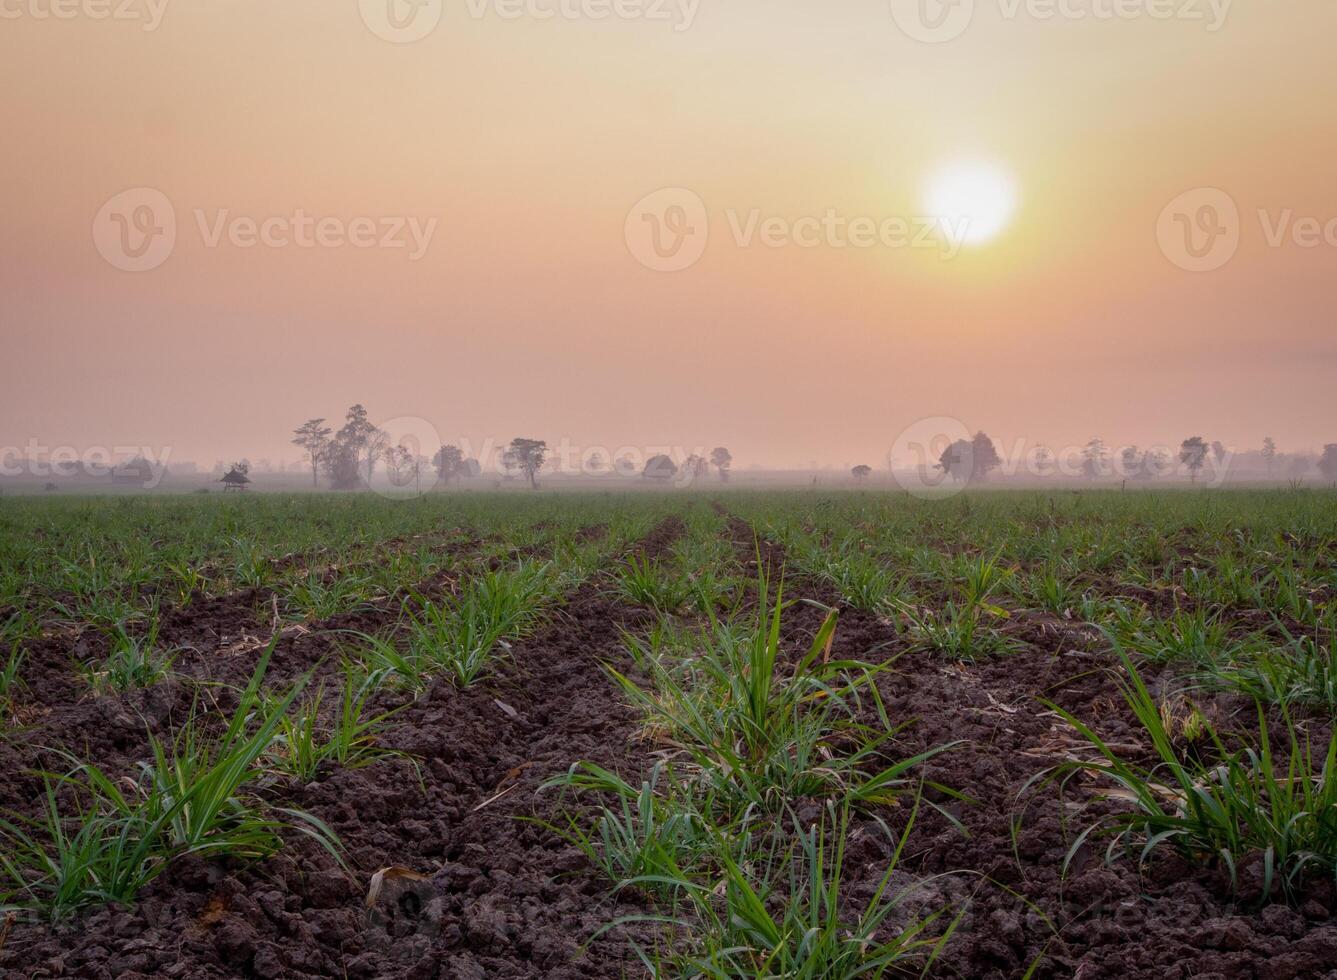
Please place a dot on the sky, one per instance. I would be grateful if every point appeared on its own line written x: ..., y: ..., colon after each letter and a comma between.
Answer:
x: 545, y: 218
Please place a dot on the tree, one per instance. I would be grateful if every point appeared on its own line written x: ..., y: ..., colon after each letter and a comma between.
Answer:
x: 861, y: 472
x: 1093, y: 458
x: 1043, y: 457
x: 957, y: 460
x: 966, y: 461
x: 1269, y: 453
x: 354, y: 441
x: 401, y: 464
x: 313, y: 435
x: 986, y: 458
x: 1327, y: 463
x: 1158, y: 462
x: 1193, y: 453
x: 340, y: 461
x: 697, y: 466
x: 660, y: 467
x: 722, y: 459
x: 1218, y: 450
x: 527, y: 456
x: 594, y: 463
x: 1134, y: 462
x: 378, y: 441
x: 449, y: 462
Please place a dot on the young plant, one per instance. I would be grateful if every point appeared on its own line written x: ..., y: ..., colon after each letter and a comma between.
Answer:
x: 643, y: 582
x: 313, y: 598
x: 799, y: 926
x: 759, y: 734
x: 461, y: 634
x: 303, y: 744
x: 62, y: 861
x: 133, y: 661
x: 192, y: 797
x: 1246, y: 803
x: 380, y: 658
x: 11, y: 675
x: 653, y: 832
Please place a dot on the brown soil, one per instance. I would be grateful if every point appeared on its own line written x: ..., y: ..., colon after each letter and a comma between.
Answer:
x: 1103, y: 920
x: 503, y: 896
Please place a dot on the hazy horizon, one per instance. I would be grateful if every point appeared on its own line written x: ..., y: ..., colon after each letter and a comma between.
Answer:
x: 496, y: 171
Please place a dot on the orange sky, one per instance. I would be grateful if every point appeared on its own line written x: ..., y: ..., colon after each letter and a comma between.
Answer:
x: 528, y: 139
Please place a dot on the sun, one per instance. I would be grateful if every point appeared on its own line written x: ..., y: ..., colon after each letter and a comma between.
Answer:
x: 972, y: 201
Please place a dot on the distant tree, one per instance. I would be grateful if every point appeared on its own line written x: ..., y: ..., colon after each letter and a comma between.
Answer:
x: 313, y: 436
x: 957, y: 460
x: 986, y: 458
x: 594, y: 463
x: 965, y: 461
x: 1218, y: 450
x: 401, y: 464
x: 527, y: 455
x: 1269, y: 453
x: 1134, y: 462
x: 378, y: 441
x: 470, y: 468
x: 341, y: 463
x: 625, y: 465
x: 354, y: 442
x: 697, y: 466
x: 1327, y: 463
x: 1193, y: 453
x: 1043, y: 457
x: 1298, y: 466
x: 1157, y: 462
x: 861, y: 472
x: 448, y: 462
x: 1094, y: 456
x: 660, y: 467
x: 722, y: 459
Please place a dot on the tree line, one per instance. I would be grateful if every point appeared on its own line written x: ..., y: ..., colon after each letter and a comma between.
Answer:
x: 347, y: 457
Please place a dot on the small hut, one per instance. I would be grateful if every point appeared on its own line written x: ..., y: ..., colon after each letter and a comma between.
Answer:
x: 234, y: 479
x: 661, y: 468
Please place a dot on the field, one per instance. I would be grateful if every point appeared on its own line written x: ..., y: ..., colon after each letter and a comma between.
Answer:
x: 740, y: 734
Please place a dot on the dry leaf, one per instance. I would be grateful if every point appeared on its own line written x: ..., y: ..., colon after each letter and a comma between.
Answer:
x: 379, y: 879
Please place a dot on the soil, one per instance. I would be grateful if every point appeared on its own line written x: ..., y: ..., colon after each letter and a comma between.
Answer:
x: 496, y: 893
x: 1103, y: 919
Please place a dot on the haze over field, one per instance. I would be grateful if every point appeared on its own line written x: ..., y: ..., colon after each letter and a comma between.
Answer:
x: 489, y: 262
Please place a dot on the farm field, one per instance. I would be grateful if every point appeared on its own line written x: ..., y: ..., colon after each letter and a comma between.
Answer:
x: 733, y: 734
